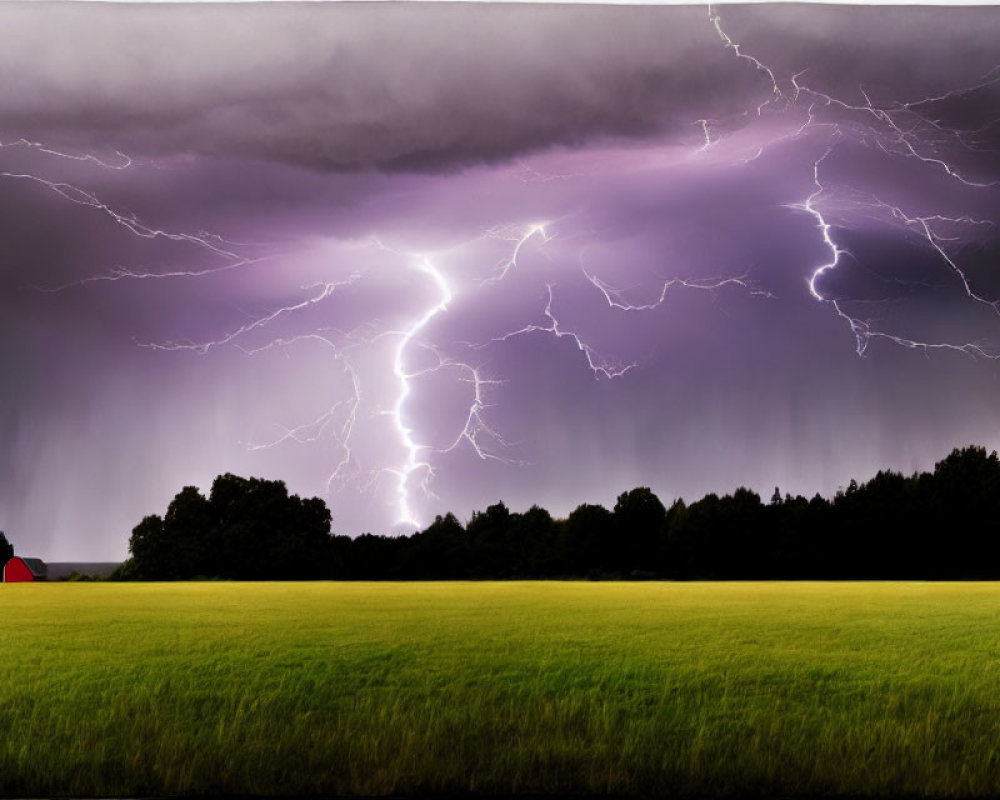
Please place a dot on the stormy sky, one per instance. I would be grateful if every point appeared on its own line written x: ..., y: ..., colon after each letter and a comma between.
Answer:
x: 414, y: 258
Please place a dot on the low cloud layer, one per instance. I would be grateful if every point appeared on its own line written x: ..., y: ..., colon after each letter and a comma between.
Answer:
x: 342, y: 86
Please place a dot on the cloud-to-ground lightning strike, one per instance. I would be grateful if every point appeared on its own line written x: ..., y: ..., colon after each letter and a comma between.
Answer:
x: 532, y: 254
x: 413, y: 462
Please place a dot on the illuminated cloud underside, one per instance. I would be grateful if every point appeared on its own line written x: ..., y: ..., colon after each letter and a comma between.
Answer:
x: 422, y: 258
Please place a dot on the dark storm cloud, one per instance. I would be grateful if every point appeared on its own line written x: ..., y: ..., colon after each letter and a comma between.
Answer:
x: 895, y: 54
x: 344, y: 86
x: 417, y: 85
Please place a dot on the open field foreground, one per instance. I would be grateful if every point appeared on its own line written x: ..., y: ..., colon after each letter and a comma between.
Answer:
x: 372, y: 689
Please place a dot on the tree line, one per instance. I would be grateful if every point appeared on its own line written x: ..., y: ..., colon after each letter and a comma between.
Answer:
x: 943, y: 524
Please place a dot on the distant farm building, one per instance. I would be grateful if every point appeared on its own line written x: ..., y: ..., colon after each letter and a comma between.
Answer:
x: 67, y: 570
x: 19, y: 570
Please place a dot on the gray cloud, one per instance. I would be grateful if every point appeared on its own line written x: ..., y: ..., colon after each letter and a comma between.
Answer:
x: 424, y: 85
x: 343, y: 86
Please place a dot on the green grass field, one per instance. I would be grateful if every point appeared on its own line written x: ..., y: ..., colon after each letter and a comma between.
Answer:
x: 373, y: 689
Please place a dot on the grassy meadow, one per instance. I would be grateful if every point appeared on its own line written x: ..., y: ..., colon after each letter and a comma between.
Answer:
x: 500, y: 688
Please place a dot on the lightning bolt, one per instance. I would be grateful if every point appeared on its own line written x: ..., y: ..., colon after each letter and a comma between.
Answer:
x: 776, y: 94
x: 476, y: 427
x: 708, y: 136
x: 810, y: 207
x: 923, y: 225
x: 892, y: 139
x: 614, y: 296
x: 319, y: 428
x: 863, y: 330
x: 323, y: 291
x: 124, y: 161
x: 522, y: 238
x: 129, y: 221
x: 599, y: 366
x: 413, y: 449
x: 215, y: 245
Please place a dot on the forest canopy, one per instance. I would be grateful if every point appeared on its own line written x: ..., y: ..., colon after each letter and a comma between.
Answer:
x: 939, y: 525
x: 246, y: 529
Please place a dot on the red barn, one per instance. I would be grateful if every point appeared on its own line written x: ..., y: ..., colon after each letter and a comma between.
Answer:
x: 19, y: 570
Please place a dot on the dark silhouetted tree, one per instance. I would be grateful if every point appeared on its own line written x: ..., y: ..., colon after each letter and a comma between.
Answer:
x: 532, y: 543
x: 247, y: 529
x: 638, y: 517
x: 150, y: 551
x: 588, y: 541
x: 492, y: 554
x: 440, y: 552
x: 962, y: 507
x: 192, y: 535
x: 6, y: 549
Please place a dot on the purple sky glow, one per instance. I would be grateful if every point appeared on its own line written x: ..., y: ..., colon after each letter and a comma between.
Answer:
x: 421, y: 258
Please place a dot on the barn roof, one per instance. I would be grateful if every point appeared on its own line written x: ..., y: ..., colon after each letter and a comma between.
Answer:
x: 37, y: 567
